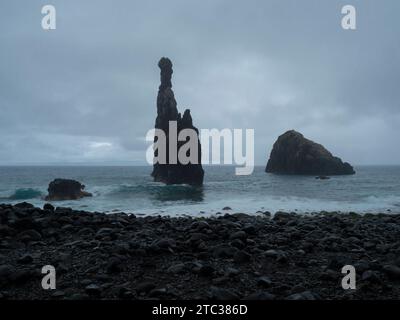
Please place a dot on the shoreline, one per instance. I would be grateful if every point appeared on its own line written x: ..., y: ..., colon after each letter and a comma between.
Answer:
x: 177, y: 212
x: 227, y: 256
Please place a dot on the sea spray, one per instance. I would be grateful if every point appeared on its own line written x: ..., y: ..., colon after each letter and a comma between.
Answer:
x: 25, y: 194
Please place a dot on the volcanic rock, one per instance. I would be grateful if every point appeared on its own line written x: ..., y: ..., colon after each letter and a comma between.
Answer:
x: 294, y: 154
x: 322, y: 178
x: 170, y: 172
x: 64, y: 189
x: 268, y: 264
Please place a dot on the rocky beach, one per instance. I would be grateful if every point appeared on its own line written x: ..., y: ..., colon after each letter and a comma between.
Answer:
x: 226, y: 257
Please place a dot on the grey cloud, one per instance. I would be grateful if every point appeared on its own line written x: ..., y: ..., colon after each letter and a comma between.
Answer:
x: 268, y: 65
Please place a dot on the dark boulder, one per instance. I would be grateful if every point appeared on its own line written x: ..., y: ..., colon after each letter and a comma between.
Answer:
x: 170, y: 172
x: 294, y: 154
x: 64, y: 189
x: 24, y: 205
x: 48, y: 207
x: 223, y: 294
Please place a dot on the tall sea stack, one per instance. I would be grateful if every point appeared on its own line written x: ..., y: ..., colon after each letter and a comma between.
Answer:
x: 167, y: 111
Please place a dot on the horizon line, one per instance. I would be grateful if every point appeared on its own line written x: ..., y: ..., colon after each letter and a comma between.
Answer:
x: 124, y: 164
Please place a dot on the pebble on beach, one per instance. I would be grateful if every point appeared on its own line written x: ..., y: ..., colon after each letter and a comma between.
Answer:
x: 231, y: 256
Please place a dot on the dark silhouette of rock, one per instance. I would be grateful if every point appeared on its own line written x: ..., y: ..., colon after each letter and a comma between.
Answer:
x: 64, y: 189
x: 322, y: 178
x: 167, y: 111
x: 294, y: 154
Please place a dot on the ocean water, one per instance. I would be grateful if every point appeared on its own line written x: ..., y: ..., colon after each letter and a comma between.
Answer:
x: 131, y: 189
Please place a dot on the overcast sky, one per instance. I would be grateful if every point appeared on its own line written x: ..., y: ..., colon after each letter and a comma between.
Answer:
x: 86, y: 92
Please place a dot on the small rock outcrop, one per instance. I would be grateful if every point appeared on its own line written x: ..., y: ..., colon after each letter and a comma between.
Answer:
x: 64, y: 189
x: 322, y: 178
x: 292, y: 153
x: 174, y: 173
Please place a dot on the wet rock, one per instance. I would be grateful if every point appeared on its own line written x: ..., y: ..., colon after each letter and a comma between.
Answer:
x: 174, y: 173
x: 25, y: 224
x: 158, y: 292
x: 165, y: 243
x: 264, y: 282
x: 58, y: 294
x: 22, y: 276
x: 48, y: 207
x: 238, y: 235
x: 206, y: 270
x: 223, y: 294
x: 145, y: 286
x: 63, y: 211
x: 6, y: 272
x: 231, y: 272
x: 177, y: 268
x: 24, y: 205
x: 224, y: 251
x: 238, y: 244
x: 371, y: 276
x: 65, y: 189
x: 6, y: 231
x: 194, y: 237
x: 79, y: 296
x: 220, y: 280
x: 306, y: 295
x: 261, y: 295
x: 279, y: 255
x: 85, y: 231
x: 30, y: 235
x: 369, y: 245
x: 144, y: 248
x: 294, y: 154
x: 250, y: 229
x: 331, y: 275
x: 242, y: 256
x: 121, y: 249
x: 93, y: 290
x: 361, y: 266
x: 25, y: 259
x: 125, y: 293
x: 337, y: 263
x: 114, y: 265
x: 322, y: 178
x: 283, y: 216
x: 272, y: 253
x: 392, y: 271
x: 104, y: 232
x: 200, y: 225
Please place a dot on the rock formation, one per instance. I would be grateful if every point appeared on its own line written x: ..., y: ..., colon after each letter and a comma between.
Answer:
x: 64, y: 189
x: 322, y: 178
x: 167, y: 111
x: 294, y: 154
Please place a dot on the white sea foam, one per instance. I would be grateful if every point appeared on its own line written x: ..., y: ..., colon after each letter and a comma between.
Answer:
x: 131, y: 189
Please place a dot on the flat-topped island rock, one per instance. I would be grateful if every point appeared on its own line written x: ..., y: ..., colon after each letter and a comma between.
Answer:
x: 294, y: 154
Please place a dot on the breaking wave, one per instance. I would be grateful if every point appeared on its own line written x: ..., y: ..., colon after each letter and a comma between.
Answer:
x: 159, y: 192
x: 25, y: 194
